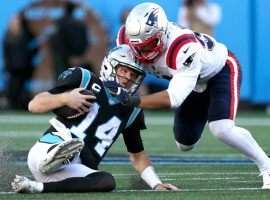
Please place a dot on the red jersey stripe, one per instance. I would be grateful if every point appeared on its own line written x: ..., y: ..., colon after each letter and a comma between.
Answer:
x: 175, y: 47
x: 235, y: 78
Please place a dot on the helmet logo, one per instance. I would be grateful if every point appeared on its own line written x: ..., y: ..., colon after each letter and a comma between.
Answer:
x: 152, y: 19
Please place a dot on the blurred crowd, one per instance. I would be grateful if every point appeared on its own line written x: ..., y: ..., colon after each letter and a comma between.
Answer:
x: 199, y: 15
x: 45, y: 38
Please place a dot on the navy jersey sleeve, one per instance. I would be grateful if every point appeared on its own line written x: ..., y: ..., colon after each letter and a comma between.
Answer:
x: 69, y: 79
x: 133, y: 141
x: 139, y: 122
x: 132, y: 136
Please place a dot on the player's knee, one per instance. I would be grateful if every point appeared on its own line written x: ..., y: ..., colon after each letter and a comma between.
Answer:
x: 183, y: 147
x: 221, y: 127
x: 110, y: 183
x: 104, y: 181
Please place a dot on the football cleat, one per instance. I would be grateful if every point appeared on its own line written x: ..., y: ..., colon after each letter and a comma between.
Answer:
x: 21, y: 184
x: 61, y: 155
x: 266, y: 179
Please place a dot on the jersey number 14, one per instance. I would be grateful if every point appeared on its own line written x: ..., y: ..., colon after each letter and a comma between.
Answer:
x: 105, y: 132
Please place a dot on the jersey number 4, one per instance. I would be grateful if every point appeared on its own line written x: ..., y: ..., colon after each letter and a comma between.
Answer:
x: 205, y: 41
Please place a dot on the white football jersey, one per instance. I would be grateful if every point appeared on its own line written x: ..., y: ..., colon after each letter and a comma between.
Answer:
x: 190, y: 59
x: 183, y: 46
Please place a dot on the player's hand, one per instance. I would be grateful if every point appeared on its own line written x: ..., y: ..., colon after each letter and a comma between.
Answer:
x: 166, y: 187
x: 125, y: 99
x: 78, y: 101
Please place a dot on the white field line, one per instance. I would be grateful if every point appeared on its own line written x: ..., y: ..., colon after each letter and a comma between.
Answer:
x: 194, y: 173
x: 19, y: 119
x: 3, y: 193
x: 166, y: 120
x: 181, y: 190
x: 231, y: 179
x: 195, y: 190
x: 21, y: 133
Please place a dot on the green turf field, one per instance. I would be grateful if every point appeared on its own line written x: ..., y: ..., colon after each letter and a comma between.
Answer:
x: 211, y: 171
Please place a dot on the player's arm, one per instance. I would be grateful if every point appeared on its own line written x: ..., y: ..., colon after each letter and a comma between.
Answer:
x: 45, y: 101
x: 57, y: 97
x: 187, y: 66
x: 140, y: 160
x: 141, y: 163
x: 180, y: 86
x: 150, y: 101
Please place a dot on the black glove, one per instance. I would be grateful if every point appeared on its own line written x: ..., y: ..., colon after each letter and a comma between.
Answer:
x: 125, y: 98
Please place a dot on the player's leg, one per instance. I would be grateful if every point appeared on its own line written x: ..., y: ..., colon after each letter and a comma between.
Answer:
x: 39, y: 152
x: 190, y: 119
x: 52, y: 152
x: 60, y: 154
x: 94, y: 182
x: 75, y: 177
x: 224, y: 95
x: 86, y: 179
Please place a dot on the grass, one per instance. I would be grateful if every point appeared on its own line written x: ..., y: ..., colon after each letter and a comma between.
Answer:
x: 210, y: 171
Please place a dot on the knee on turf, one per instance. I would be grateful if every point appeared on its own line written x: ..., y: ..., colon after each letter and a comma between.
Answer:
x: 110, y: 182
x: 104, y: 181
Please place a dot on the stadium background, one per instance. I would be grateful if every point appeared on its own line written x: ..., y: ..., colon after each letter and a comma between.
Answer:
x: 244, y: 28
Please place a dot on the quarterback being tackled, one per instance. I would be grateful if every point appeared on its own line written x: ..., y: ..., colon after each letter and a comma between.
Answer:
x: 67, y: 156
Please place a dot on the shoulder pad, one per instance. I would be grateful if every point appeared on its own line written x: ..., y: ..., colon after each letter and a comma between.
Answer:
x: 176, y: 49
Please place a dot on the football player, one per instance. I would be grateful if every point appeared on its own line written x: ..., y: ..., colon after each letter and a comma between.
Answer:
x: 205, y: 80
x: 66, y: 157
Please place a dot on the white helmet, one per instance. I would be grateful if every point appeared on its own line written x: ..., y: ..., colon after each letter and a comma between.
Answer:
x: 121, y: 55
x: 146, y: 24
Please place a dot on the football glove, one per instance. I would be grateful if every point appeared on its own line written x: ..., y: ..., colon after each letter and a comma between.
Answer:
x: 124, y: 97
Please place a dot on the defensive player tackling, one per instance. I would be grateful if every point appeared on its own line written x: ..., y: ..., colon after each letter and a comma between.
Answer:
x: 205, y: 79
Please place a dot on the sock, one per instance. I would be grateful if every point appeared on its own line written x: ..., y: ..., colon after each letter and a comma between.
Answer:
x: 39, y: 187
x: 241, y: 140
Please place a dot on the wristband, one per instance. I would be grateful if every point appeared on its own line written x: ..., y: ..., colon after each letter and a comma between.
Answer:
x: 150, y: 177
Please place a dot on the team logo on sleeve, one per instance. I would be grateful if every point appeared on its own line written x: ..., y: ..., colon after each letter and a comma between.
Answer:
x: 65, y: 74
x: 189, y: 60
